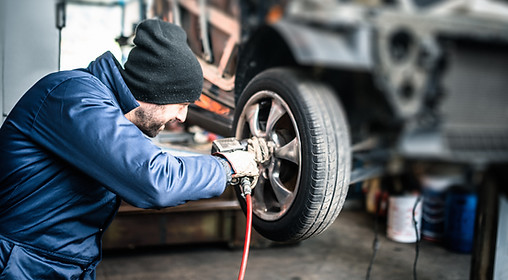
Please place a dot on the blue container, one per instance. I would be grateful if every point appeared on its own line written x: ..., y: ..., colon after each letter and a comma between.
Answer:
x: 460, y: 220
x: 434, y: 205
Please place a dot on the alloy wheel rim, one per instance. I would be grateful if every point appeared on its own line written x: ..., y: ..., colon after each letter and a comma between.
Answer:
x: 268, y: 116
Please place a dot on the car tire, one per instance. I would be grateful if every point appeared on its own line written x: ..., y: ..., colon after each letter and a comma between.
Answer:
x: 302, y: 189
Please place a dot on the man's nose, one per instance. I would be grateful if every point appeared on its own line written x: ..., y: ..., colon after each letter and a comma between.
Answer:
x: 182, y: 114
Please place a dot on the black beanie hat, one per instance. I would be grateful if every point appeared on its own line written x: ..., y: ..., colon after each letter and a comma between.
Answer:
x: 161, y: 68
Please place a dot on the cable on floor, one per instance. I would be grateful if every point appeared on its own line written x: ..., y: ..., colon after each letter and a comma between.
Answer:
x: 417, y: 244
x: 375, y: 243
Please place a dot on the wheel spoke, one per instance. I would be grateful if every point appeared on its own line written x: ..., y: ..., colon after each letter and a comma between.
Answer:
x: 276, y: 112
x: 252, y: 117
x: 282, y: 194
x: 290, y: 151
x: 258, y: 193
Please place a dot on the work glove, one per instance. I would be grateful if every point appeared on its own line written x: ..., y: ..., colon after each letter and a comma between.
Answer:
x: 243, y: 164
x: 260, y: 149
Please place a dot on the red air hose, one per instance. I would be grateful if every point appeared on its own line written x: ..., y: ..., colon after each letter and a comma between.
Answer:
x: 248, y: 231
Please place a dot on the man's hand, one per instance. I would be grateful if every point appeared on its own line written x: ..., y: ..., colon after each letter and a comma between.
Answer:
x: 242, y: 165
x: 261, y: 150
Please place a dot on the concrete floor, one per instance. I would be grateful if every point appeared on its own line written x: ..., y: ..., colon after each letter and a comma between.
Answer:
x: 342, y: 252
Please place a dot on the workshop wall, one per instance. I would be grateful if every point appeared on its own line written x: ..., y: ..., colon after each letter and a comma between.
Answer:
x: 28, y: 47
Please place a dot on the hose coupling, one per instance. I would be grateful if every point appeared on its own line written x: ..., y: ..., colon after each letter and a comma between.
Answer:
x: 246, y: 186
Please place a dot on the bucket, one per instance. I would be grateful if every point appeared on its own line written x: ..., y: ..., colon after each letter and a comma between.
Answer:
x: 460, y: 220
x: 400, y: 226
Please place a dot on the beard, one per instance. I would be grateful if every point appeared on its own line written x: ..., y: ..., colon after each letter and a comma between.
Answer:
x: 146, y: 122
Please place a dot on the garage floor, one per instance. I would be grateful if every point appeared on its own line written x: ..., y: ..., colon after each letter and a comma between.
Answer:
x: 342, y: 252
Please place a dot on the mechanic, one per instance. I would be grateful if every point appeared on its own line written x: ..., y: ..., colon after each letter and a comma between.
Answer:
x: 74, y: 146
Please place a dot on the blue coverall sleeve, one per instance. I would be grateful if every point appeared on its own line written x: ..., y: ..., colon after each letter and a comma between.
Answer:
x: 82, y: 125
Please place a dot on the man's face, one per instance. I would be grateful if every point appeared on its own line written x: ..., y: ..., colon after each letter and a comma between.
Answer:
x: 152, y: 118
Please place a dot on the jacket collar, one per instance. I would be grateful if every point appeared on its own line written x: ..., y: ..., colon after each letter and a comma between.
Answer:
x: 107, y: 69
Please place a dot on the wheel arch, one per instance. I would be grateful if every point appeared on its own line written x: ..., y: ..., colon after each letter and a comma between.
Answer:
x: 342, y: 59
x: 286, y: 43
x: 266, y: 48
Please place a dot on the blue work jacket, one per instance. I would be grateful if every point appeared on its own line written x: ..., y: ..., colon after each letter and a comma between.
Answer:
x: 67, y: 157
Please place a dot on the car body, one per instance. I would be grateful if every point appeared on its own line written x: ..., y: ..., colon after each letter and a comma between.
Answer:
x: 339, y: 84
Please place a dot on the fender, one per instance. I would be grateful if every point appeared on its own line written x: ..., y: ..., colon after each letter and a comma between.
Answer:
x: 289, y: 43
x: 347, y: 48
